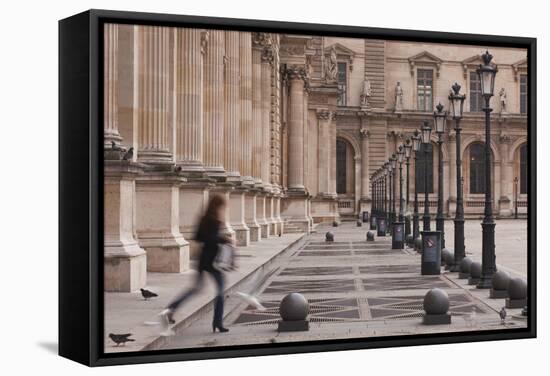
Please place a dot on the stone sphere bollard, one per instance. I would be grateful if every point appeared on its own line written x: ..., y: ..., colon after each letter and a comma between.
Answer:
x: 334, y: 224
x: 436, y: 305
x: 449, y: 259
x: 465, y: 265
x: 293, y: 309
x: 475, y: 273
x: 359, y: 223
x: 329, y: 237
x: 444, y: 256
x: 517, y: 293
x: 370, y: 236
x: 517, y: 288
x: 499, y: 282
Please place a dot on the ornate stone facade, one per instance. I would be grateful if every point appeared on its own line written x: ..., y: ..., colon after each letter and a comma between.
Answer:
x: 289, y: 128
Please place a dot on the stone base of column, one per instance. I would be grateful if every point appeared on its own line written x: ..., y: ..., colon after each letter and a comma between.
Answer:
x: 157, y: 214
x: 294, y: 209
x: 237, y: 216
x: 125, y: 262
x: 452, y: 207
x: 269, y: 214
x: 192, y: 205
x: 250, y: 215
x: 260, y: 215
x: 225, y: 189
x: 365, y: 204
x: 324, y: 208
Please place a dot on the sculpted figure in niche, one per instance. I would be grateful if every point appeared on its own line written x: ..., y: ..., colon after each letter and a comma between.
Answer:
x: 502, y: 98
x: 398, y: 97
x: 332, y: 66
x: 365, y: 93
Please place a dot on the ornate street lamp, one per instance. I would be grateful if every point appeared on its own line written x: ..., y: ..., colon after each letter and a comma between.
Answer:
x: 416, y: 149
x: 487, y: 73
x: 426, y: 134
x: 400, y: 156
x: 440, y: 118
x: 385, y: 191
x: 408, y: 147
x: 457, y: 105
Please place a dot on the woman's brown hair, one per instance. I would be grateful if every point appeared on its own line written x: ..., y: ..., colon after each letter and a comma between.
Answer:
x: 216, y: 202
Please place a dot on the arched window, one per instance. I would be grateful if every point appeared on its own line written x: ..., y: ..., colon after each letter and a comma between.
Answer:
x: 341, y: 177
x: 523, y: 169
x: 477, y: 168
x: 419, y: 169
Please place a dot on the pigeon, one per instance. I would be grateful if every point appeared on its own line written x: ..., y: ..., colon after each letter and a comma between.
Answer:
x: 177, y: 169
x: 147, y: 294
x: 502, y: 315
x: 121, y: 338
x: 128, y: 155
x: 252, y: 300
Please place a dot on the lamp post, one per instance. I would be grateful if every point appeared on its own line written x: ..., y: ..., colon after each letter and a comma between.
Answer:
x: 426, y: 133
x: 457, y: 106
x: 385, y: 190
x: 390, y: 181
x: 400, y: 156
x: 516, y: 197
x: 487, y: 75
x: 408, y: 147
x: 440, y: 118
x: 416, y: 148
x: 393, y: 162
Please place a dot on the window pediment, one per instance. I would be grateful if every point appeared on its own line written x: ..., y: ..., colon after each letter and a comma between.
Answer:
x: 425, y: 58
x: 472, y: 62
x: 519, y: 68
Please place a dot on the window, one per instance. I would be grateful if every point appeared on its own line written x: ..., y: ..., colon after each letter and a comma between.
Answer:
x: 523, y: 169
x: 419, y: 169
x: 523, y: 94
x: 424, y: 85
x: 342, y: 83
x: 477, y: 168
x: 341, y: 153
x: 476, y: 100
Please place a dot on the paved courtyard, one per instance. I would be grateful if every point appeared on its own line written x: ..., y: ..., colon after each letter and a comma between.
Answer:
x: 360, y: 289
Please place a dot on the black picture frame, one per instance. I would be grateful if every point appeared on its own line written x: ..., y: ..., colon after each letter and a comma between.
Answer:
x: 81, y: 187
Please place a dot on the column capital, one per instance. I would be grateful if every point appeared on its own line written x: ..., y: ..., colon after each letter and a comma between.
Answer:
x: 267, y: 55
x: 364, y: 133
x: 261, y: 40
x: 504, y: 138
x: 324, y: 114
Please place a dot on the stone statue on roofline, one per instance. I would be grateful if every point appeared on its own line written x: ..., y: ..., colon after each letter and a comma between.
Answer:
x: 365, y: 93
x: 502, y: 100
x: 332, y: 66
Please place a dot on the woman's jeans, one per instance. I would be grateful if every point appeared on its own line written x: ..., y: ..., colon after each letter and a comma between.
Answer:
x: 218, y: 304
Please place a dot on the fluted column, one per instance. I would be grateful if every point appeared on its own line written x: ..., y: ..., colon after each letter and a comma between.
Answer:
x: 332, y: 186
x: 257, y: 132
x: 124, y: 260
x: 246, y: 125
x: 267, y: 60
x: 214, y: 119
x: 189, y: 81
x: 296, y: 129
x: 232, y: 159
x: 153, y: 94
x: 365, y: 183
x: 110, y: 86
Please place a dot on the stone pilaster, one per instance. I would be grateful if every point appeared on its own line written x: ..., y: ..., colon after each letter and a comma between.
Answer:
x: 257, y: 130
x: 232, y: 140
x: 237, y: 216
x: 193, y: 200
x: 246, y: 125
x: 324, y: 118
x: 214, y: 118
x: 153, y: 94
x: 365, y: 178
x: 267, y: 61
x: 189, y: 101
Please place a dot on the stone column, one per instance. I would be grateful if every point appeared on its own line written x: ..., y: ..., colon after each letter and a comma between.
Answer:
x: 267, y: 60
x: 125, y: 261
x: 214, y: 119
x: 188, y: 107
x: 257, y: 132
x: 323, y: 116
x: 506, y: 181
x: 153, y: 94
x: 246, y: 125
x: 232, y: 158
x: 157, y: 192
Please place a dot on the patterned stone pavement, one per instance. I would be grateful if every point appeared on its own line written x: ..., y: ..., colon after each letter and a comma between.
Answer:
x: 355, y: 289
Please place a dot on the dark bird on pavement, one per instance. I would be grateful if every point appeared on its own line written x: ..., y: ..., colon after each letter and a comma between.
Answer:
x: 121, y: 338
x: 502, y: 315
x: 177, y: 168
x: 128, y: 155
x: 147, y: 294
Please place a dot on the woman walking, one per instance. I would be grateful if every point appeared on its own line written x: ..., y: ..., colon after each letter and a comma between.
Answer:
x: 209, y: 235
